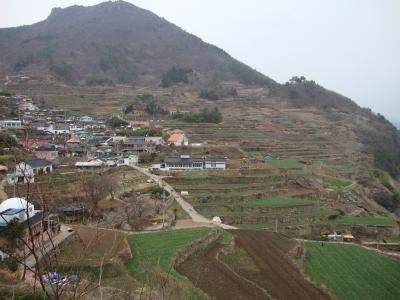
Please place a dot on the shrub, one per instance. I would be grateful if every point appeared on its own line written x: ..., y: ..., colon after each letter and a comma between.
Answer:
x: 175, y: 75
x: 98, y: 81
x: 115, y: 122
x: 23, y: 63
x: 218, y: 92
x: 147, y: 131
x: 152, y: 108
x: 63, y: 70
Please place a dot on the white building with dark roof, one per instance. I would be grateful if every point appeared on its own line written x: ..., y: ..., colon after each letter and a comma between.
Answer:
x: 192, y: 163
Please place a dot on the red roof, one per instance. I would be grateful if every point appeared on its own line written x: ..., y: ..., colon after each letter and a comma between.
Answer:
x: 175, y: 137
x: 74, y: 140
x: 30, y: 143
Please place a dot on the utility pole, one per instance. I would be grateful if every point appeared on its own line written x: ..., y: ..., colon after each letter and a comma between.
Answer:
x: 276, y: 225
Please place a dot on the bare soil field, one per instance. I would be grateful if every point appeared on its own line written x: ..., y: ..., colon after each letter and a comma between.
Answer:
x: 258, y: 268
x: 92, y: 246
x: 217, y: 280
x: 277, y: 273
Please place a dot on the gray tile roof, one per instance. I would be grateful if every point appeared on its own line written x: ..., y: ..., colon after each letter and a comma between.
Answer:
x: 38, y: 163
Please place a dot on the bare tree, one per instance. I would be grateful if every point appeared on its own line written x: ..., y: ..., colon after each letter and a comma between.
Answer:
x: 111, y: 185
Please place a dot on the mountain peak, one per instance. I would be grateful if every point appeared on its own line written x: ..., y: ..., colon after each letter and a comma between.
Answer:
x: 116, y: 42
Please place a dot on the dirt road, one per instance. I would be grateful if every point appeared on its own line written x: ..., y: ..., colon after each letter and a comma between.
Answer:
x: 194, y: 215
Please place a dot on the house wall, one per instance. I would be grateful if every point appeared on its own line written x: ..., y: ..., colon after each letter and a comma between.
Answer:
x: 215, y: 165
x: 183, y: 141
x: 10, y: 124
x: 185, y: 166
x: 24, y: 173
x: 49, y: 155
x: 43, y: 170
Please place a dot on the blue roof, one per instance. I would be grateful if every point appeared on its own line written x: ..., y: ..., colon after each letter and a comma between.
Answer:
x: 11, y: 211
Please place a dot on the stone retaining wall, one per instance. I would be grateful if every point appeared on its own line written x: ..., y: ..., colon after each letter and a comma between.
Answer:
x: 370, y: 231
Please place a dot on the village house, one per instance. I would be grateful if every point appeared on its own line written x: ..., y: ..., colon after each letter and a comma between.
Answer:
x: 178, y: 139
x: 156, y: 140
x: 24, y: 212
x: 86, y: 118
x: 33, y: 143
x: 27, y: 106
x: 39, y: 166
x: 59, y: 128
x: 191, y: 163
x: 26, y: 171
x: 137, y: 144
x: 74, y: 140
x: 128, y: 161
x: 42, y: 126
x: 71, y: 213
x: 10, y: 124
x: 139, y: 123
x: 93, y: 165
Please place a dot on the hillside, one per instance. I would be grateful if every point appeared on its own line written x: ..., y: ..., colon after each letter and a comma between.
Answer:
x: 115, y: 42
x: 79, y: 55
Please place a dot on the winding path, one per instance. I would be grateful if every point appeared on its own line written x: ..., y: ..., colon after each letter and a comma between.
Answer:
x: 187, y: 207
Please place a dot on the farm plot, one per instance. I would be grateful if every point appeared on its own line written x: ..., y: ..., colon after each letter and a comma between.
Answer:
x: 250, y: 196
x: 155, y: 251
x: 271, y: 202
x: 262, y: 258
x: 216, y: 279
x: 158, y: 249
x: 96, y: 251
x: 352, y: 272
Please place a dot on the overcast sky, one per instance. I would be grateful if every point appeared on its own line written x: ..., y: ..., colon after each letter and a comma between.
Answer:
x: 350, y: 46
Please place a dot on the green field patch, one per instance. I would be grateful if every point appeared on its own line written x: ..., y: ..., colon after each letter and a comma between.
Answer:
x: 299, y: 214
x: 262, y: 174
x: 285, y: 163
x: 351, y: 272
x: 229, y: 194
x: 217, y: 186
x: 271, y: 202
x: 158, y: 249
x: 339, y: 184
x: 368, y: 220
x: 296, y: 172
x: 253, y: 226
x: 344, y: 168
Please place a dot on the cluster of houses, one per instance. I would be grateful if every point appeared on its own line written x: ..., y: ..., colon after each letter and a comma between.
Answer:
x: 88, y: 141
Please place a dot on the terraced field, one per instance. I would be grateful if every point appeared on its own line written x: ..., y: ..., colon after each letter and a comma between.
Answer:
x: 254, y: 196
x: 352, y: 272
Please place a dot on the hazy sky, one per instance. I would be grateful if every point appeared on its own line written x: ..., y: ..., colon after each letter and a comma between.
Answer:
x: 350, y: 46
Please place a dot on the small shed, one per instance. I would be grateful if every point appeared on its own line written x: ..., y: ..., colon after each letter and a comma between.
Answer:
x: 71, y: 213
x: 217, y: 220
